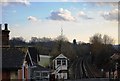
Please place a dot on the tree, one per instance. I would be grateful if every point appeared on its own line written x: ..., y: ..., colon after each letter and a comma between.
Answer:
x: 74, y: 42
x: 108, y: 40
x: 61, y: 38
x: 96, y: 39
x: 37, y: 40
x: 101, y: 48
x: 62, y: 45
x: 17, y: 41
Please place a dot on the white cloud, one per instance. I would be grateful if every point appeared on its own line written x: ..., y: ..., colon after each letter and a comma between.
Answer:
x: 32, y: 18
x: 83, y: 15
x: 6, y: 2
x: 110, y: 15
x: 61, y: 14
x: 86, y: 0
x: 25, y: 2
x: 113, y: 4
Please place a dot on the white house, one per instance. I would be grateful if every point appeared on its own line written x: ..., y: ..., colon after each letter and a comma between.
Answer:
x: 60, y: 64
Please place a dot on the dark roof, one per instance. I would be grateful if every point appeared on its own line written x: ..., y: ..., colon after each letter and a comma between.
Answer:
x: 12, y: 58
x: 34, y: 54
x: 115, y: 56
x: 37, y: 67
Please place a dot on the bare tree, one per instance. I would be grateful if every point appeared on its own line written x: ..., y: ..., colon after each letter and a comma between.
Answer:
x: 61, y: 38
x: 96, y: 39
x: 108, y: 40
x: 101, y: 48
x: 15, y: 41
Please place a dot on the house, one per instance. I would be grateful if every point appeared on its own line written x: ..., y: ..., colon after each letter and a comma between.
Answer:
x: 37, y: 72
x: 19, y: 63
x: 15, y: 65
x: 34, y: 54
x: 60, y: 64
x: 113, y: 67
x: 15, y: 60
x: 40, y: 73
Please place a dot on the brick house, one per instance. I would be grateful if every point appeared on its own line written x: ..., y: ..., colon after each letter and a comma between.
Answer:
x: 15, y: 61
x: 19, y: 63
x: 15, y: 64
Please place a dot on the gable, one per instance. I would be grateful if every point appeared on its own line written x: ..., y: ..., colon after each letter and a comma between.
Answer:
x: 61, y: 56
x: 34, y: 54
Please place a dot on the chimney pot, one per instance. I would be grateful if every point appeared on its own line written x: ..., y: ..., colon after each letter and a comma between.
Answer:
x: 6, y: 26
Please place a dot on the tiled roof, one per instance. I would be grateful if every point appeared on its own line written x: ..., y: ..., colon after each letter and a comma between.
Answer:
x: 12, y: 58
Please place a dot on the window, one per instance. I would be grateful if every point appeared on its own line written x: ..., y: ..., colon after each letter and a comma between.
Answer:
x: 37, y: 73
x: 58, y: 62
x: 63, y: 62
x: 44, y: 74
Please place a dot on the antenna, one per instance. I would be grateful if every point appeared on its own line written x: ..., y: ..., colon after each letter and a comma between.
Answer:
x: 61, y: 31
x: 60, y: 45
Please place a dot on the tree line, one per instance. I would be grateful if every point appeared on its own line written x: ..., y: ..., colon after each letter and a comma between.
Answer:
x: 100, y: 47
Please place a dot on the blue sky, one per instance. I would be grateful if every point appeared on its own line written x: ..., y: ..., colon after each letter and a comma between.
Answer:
x: 79, y: 20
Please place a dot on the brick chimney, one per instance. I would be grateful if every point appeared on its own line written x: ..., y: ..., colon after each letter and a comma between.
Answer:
x: 5, y: 36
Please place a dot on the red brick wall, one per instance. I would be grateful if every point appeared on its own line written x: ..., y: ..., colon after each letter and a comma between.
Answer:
x: 25, y: 74
x: 0, y: 75
x: 6, y: 75
x: 20, y: 74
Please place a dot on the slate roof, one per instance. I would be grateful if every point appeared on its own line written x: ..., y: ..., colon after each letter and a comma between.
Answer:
x: 115, y: 56
x: 12, y: 58
x: 40, y: 68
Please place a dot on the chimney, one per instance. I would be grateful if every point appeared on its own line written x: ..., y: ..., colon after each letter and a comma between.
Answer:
x: 0, y: 27
x: 5, y: 36
x: 0, y: 35
x: 6, y: 26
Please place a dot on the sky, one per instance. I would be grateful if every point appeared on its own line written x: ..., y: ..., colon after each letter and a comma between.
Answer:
x: 79, y: 20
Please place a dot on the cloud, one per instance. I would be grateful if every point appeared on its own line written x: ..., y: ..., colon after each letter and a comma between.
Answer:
x: 113, y: 4
x: 62, y: 15
x: 83, y: 15
x: 88, y: 0
x: 110, y: 15
x: 6, y: 2
x: 25, y: 2
x: 32, y: 18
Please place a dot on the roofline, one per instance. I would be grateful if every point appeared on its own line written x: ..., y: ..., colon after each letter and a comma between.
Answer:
x: 29, y: 56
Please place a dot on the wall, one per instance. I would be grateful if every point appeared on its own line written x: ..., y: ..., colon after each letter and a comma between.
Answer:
x: 13, y: 75
x: 20, y: 74
x: 44, y: 60
x: 5, y: 75
x: 26, y: 74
